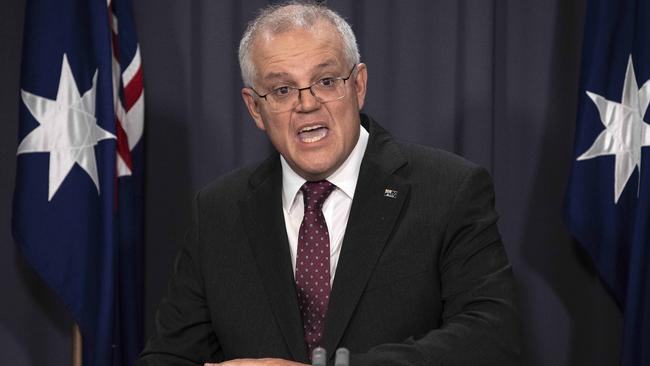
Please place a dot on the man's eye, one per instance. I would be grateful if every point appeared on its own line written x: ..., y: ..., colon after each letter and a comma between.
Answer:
x: 282, y: 91
x: 327, y: 82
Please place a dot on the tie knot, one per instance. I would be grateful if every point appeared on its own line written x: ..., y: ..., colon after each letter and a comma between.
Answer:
x: 315, y: 193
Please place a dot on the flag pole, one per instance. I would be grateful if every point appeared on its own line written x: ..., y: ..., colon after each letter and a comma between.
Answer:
x: 76, y: 345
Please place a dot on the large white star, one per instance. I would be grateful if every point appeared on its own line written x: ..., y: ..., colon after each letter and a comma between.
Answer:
x: 625, y: 130
x: 68, y: 129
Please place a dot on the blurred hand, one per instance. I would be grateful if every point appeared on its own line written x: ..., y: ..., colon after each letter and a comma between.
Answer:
x: 257, y: 362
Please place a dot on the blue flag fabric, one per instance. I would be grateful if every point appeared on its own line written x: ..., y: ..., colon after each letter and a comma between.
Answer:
x: 78, y: 216
x: 608, y: 197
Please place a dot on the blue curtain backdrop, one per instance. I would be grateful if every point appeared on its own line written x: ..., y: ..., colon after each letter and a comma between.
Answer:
x: 495, y: 81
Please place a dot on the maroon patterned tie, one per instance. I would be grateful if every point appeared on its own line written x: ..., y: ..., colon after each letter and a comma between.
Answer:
x: 313, y: 262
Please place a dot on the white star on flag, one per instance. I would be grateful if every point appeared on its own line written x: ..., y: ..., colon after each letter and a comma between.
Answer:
x: 68, y: 129
x: 625, y: 130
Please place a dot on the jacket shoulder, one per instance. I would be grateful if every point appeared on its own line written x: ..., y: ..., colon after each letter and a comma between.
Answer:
x: 437, y: 163
x: 226, y: 191
x: 231, y: 185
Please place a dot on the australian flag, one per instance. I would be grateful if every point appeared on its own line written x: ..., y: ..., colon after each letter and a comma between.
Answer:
x: 608, y: 197
x: 78, y: 201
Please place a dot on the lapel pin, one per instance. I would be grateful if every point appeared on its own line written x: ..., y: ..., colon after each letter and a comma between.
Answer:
x: 390, y: 193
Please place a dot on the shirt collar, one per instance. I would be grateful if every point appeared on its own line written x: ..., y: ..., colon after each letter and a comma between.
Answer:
x: 344, y: 178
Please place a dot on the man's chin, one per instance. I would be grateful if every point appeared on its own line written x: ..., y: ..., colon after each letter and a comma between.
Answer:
x: 314, y: 174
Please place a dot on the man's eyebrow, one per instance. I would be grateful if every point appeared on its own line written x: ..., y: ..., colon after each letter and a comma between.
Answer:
x: 276, y: 75
x: 325, y: 64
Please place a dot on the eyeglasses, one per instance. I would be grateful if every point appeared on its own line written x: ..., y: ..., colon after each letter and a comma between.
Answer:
x: 286, y: 98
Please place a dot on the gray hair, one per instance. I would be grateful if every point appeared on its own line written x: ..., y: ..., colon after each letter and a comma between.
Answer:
x: 287, y: 16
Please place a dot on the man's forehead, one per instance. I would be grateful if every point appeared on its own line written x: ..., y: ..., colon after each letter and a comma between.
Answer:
x: 328, y: 64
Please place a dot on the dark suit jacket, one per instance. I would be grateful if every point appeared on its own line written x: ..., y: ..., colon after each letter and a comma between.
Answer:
x: 422, y: 278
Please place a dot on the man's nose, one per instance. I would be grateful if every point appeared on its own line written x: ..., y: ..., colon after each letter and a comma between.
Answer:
x: 307, y: 101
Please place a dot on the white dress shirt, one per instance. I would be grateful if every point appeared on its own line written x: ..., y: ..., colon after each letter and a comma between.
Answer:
x: 336, y: 208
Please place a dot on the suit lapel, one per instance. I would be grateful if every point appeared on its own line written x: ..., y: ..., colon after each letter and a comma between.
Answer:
x: 264, y: 222
x: 378, y: 200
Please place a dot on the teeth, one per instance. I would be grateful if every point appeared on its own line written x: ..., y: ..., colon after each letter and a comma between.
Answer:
x: 313, y: 139
x: 312, y: 134
x: 305, y: 129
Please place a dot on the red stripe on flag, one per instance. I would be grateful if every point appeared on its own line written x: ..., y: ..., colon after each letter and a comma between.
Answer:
x: 123, y: 144
x: 133, y: 90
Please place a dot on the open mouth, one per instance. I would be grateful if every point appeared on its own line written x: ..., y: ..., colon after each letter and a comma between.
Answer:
x: 312, y: 134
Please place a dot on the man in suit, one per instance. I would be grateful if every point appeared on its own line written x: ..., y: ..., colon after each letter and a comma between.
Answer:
x: 346, y: 238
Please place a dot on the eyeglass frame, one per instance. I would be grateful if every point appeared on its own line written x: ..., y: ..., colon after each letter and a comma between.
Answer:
x: 299, y: 90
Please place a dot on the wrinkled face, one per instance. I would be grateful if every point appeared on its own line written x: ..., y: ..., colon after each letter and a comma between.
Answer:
x: 315, y: 138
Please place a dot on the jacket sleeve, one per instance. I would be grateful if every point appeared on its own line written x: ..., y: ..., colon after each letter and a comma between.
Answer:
x: 184, y: 335
x: 480, y: 323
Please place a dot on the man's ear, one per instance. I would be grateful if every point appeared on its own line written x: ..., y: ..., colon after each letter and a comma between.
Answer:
x: 253, y: 107
x: 360, y: 81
